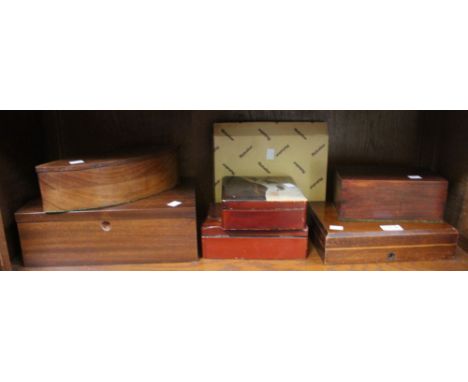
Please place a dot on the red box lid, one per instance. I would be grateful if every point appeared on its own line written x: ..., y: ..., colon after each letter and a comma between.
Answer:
x: 213, y: 226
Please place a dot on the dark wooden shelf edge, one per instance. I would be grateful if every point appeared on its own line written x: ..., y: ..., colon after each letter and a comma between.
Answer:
x: 312, y: 263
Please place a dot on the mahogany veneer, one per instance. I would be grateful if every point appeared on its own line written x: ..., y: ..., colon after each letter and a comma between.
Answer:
x: 312, y: 263
x: 389, y: 194
x: 218, y: 243
x: 366, y: 242
x: 68, y: 185
x: 145, y: 231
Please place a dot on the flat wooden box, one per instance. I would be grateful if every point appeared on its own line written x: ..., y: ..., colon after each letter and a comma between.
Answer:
x: 248, y: 209
x: 68, y: 185
x: 389, y: 194
x: 366, y: 242
x: 146, y: 231
x: 219, y: 243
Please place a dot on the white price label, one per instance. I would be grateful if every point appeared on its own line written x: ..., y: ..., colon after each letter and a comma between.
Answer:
x: 414, y: 177
x: 394, y: 227
x: 270, y: 154
x: 174, y: 203
x: 337, y: 228
x: 78, y: 161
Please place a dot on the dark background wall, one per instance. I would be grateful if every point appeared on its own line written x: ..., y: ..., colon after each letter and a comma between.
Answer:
x: 452, y: 162
x: 22, y: 141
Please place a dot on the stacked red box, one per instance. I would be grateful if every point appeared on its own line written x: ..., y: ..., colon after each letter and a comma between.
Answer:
x: 259, y: 218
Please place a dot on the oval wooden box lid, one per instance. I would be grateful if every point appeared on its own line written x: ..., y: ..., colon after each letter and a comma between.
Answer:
x: 87, y: 183
x: 115, y: 159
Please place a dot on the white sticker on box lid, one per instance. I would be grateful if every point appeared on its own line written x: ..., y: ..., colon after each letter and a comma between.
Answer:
x: 174, y: 203
x: 394, y: 227
x: 270, y: 154
x: 414, y: 177
x: 337, y: 227
x: 78, y: 161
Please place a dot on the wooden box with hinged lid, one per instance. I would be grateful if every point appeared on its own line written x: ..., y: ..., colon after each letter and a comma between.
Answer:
x: 78, y: 184
x: 161, y: 228
x: 345, y: 242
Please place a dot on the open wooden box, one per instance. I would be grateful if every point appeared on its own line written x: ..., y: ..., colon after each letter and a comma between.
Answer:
x: 430, y: 139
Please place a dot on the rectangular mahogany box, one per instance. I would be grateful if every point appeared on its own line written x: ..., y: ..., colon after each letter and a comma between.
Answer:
x: 341, y: 242
x: 218, y: 243
x: 268, y: 203
x: 85, y: 183
x: 389, y: 194
x: 145, y: 231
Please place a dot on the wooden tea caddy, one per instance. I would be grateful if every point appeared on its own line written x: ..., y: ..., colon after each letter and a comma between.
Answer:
x: 78, y: 184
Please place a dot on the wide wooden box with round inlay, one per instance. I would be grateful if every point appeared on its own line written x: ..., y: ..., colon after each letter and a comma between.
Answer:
x: 86, y: 183
x: 161, y: 228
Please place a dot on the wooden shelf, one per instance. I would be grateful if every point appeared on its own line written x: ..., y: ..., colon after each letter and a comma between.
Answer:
x: 312, y: 263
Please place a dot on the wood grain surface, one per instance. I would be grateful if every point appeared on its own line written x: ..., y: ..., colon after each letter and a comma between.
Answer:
x: 106, y: 181
x: 313, y: 263
x: 367, y: 242
x: 141, y: 232
x: 388, y: 193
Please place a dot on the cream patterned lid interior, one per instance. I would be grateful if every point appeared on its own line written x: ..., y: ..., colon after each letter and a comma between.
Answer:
x: 270, y: 189
x: 261, y: 149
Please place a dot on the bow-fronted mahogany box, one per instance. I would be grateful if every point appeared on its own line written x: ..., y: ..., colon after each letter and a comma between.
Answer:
x: 262, y: 203
x: 109, y: 180
x: 161, y: 228
x: 219, y: 243
x: 345, y: 242
x: 366, y: 193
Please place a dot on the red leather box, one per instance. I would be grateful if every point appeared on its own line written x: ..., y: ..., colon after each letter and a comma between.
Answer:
x: 268, y: 203
x: 218, y: 243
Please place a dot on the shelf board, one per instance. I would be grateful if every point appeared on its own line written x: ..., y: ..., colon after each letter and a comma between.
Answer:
x: 312, y: 263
